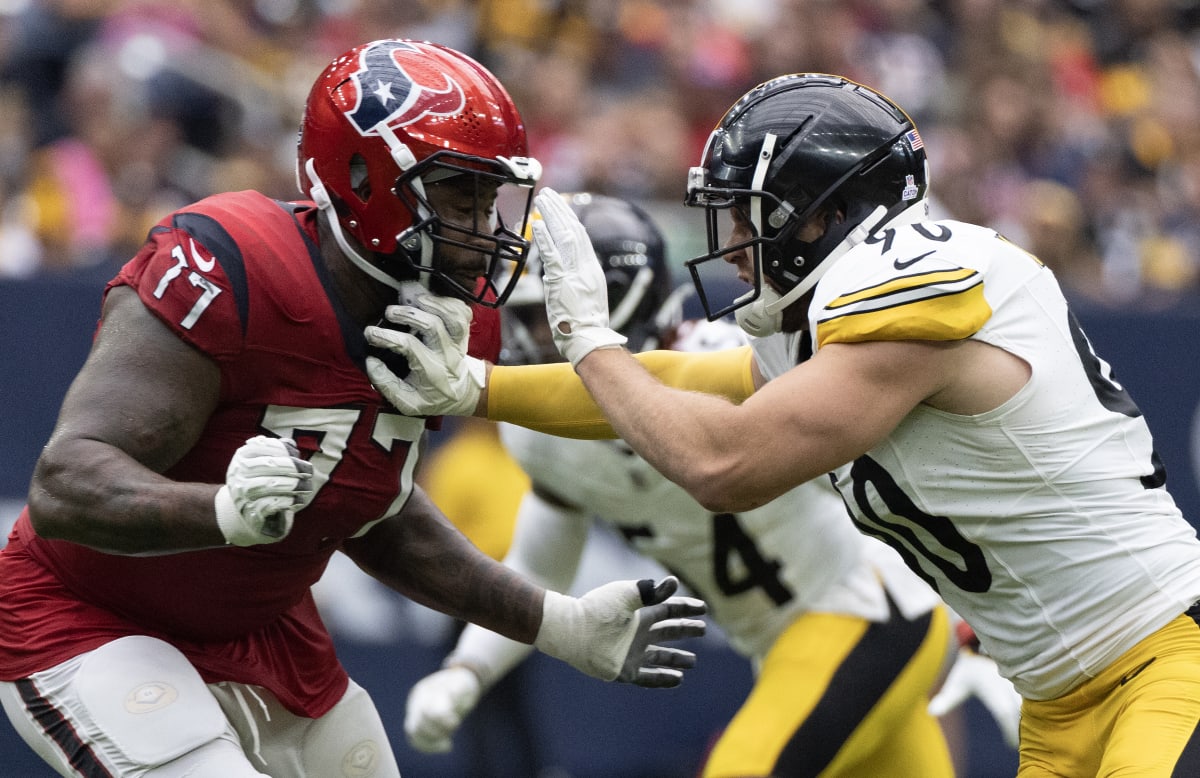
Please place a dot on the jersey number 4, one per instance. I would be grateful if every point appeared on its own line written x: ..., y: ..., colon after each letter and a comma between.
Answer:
x: 737, y: 563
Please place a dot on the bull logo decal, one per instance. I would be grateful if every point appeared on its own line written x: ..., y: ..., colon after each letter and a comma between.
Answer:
x: 386, y: 91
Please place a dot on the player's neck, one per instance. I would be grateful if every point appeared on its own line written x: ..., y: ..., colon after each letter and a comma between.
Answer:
x: 363, y: 297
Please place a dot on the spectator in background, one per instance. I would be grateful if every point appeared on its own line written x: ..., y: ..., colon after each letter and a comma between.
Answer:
x: 1061, y: 88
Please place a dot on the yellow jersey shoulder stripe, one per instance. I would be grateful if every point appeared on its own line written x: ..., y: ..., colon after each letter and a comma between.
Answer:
x: 906, y: 287
x: 939, y: 305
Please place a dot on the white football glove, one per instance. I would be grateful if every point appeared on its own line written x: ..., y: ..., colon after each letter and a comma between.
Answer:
x: 976, y: 674
x: 265, y: 484
x: 437, y: 705
x: 442, y: 380
x: 576, y: 290
x: 611, y: 632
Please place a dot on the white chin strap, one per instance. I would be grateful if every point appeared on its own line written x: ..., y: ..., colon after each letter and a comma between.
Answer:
x: 764, y: 316
x: 325, y: 205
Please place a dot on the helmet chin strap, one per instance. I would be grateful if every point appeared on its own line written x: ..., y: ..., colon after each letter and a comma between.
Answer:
x: 764, y: 316
x: 325, y: 204
x: 404, y: 158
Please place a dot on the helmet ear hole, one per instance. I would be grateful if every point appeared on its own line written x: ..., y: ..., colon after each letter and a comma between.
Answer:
x: 380, y: 111
x: 360, y: 181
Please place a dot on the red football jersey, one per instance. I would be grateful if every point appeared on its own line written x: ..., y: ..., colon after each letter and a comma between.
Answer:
x: 238, y: 276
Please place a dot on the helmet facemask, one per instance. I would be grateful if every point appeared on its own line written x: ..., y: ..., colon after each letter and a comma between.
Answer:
x: 632, y: 252
x: 421, y: 244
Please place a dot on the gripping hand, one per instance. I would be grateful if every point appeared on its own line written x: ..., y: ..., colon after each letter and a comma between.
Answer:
x: 266, y: 483
x: 437, y: 705
x: 442, y: 380
x: 976, y: 675
x: 612, y: 632
x: 576, y: 290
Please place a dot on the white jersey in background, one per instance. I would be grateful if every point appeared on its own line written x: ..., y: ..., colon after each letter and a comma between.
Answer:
x: 847, y: 644
x: 1069, y: 455
x: 757, y: 570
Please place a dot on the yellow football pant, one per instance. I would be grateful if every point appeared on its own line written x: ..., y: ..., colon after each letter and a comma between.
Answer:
x: 842, y: 696
x: 1134, y: 719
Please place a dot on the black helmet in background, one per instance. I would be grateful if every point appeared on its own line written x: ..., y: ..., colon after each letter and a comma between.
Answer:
x: 632, y: 251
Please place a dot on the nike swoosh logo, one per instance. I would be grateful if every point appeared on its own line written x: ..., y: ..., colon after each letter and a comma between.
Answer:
x: 1129, y: 676
x: 206, y: 265
x: 900, y: 264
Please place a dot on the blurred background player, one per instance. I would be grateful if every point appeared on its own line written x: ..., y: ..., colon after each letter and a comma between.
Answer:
x: 848, y: 645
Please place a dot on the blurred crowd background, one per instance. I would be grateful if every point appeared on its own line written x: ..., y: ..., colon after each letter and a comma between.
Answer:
x: 1071, y: 127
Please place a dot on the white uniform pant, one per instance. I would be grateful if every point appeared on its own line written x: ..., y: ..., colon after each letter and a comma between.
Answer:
x: 137, y: 708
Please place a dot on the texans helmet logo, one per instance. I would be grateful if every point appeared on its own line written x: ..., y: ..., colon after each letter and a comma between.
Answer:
x: 387, y: 93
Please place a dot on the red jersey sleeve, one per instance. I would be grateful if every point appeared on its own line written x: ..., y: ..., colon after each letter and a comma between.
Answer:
x: 180, y: 280
x: 484, y: 341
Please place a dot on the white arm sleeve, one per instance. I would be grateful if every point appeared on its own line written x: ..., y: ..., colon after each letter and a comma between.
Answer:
x: 546, y: 548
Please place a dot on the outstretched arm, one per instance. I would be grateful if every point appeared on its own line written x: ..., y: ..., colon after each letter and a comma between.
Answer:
x: 420, y: 554
x: 609, y: 633
x: 546, y: 547
x: 730, y: 457
x: 552, y: 399
x: 445, y: 381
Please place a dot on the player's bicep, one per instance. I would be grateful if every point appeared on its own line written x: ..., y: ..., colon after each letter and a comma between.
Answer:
x: 142, y: 389
x: 848, y: 397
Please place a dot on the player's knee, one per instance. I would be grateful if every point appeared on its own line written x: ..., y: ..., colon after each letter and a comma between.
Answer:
x: 152, y: 706
x: 221, y: 758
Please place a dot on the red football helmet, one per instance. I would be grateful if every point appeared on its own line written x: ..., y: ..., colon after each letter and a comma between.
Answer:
x: 386, y: 119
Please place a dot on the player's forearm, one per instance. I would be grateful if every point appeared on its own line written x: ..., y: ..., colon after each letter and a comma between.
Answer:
x: 425, y: 558
x: 690, y: 437
x: 546, y: 547
x: 552, y: 399
x: 93, y: 494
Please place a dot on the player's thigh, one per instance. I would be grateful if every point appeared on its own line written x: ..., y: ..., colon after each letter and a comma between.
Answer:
x: 349, y: 740
x: 133, y: 707
x: 1155, y: 706
x: 896, y: 736
x: 830, y: 695
x: 1135, y: 718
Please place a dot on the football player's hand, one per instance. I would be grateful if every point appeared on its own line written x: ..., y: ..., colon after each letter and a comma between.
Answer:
x: 613, y: 631
x: 976, y: 675
x: 436, y: 707
x: 265, y: 484
x: 442, y: 380
x: 576, y: 290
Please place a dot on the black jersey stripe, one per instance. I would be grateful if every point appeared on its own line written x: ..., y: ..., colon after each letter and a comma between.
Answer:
x: 870, y: 669
x: 209, y: 233
x: 898, y: 301
x: 901, y: 284
x: 79, y: 754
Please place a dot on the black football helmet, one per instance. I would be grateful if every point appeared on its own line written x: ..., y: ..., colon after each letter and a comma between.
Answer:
x: 632, y: 251
x: 792, y: 147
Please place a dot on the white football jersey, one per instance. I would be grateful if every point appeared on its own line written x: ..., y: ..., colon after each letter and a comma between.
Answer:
x: 756, y: 570
x: 1044, y: 522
